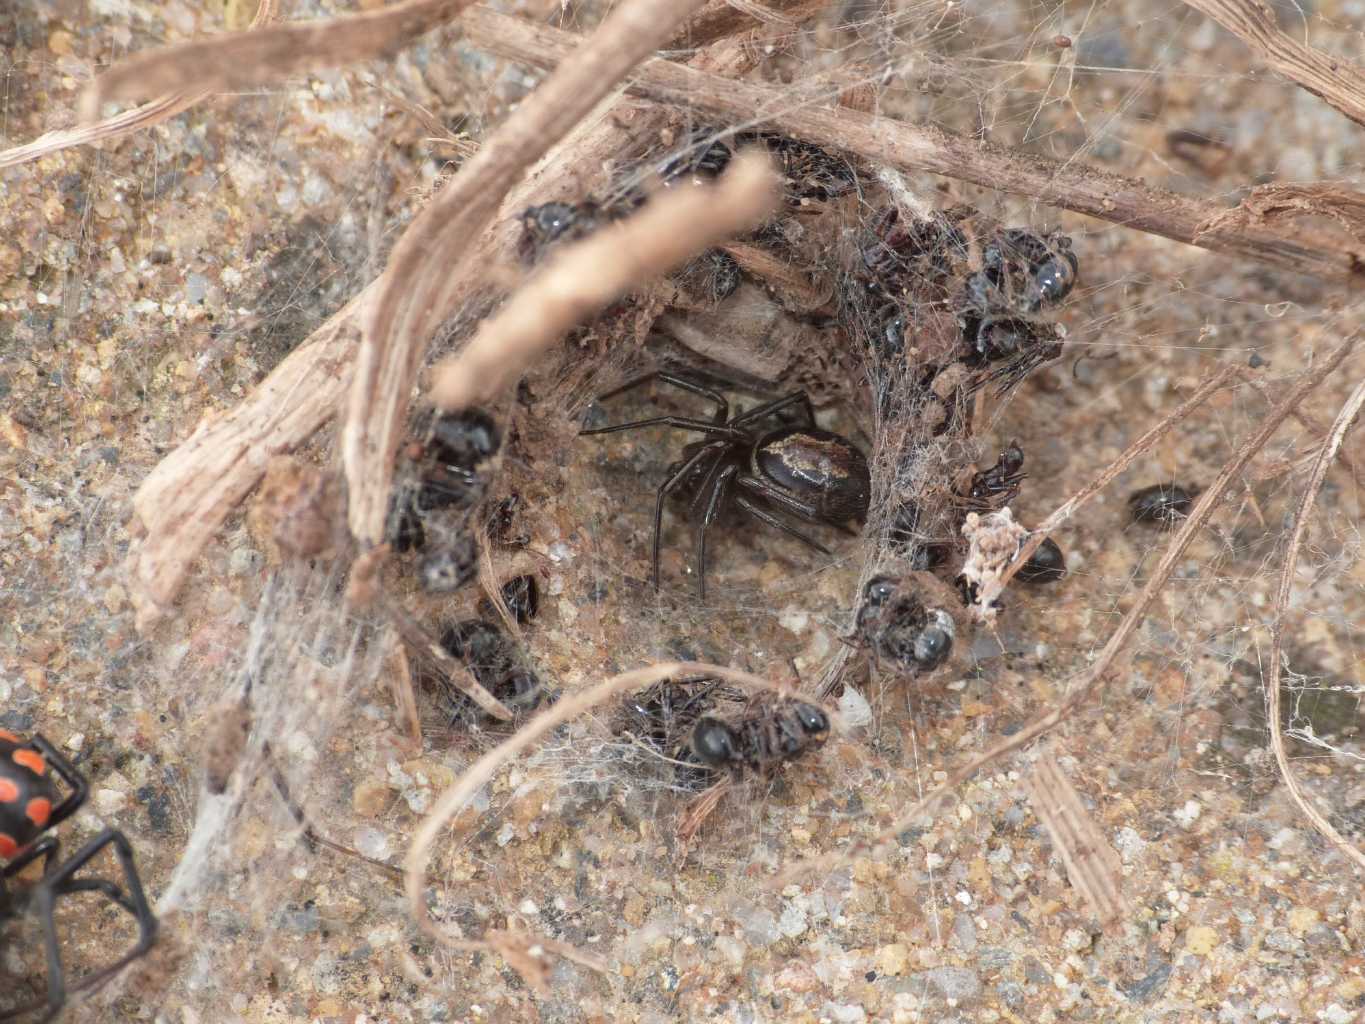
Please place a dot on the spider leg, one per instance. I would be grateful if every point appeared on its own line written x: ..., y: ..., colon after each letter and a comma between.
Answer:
x: 45, y: 847
x: 782, y: 499
x: 681, y: 422
x: 667, y: 487
x: 67, y: 772
x: 62, y: 881
x: 722, y: 406
x: 777, y: 405
x: 719, y: 490
x: 772, y: 520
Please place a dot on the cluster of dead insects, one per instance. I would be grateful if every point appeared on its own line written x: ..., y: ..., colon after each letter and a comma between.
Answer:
x: 440, y: 501
x: 702, y: 730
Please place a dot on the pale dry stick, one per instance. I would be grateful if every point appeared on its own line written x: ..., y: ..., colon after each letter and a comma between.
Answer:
x: 1086, y: 683
x: 1091, y: 863
x: 427, y: 271
x: 583, y: 278
x: 240, y: 59
x: 153, y: 112
x: 457, y: 796
x: 1332, y: 79
x: 1348, y: 413
x: 189, y: 494
x: 1143, y: 444
x: 923, y: 147
x: 185, y: 499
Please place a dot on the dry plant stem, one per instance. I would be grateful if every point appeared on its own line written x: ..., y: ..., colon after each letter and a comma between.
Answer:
x: 454, y: 799
x: 153, y: 112
x: 581, y: 279
x: 241, y: 59
x: 1092, y: 865
x: 1130, y: 455
x: 1086, y: 683
x: 721, y: 18
x: 426, y: 273
x: 1348, y: 413
x: 1332, y: 79
x: 185, y: 499
x: 1070, y: 185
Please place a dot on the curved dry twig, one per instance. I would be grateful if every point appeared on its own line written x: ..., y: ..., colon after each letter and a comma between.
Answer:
x: 519, y: 951
x: 1328, y: 452
x: 1086, y: 683
x: 1332, y: 79
x: 426, y: 272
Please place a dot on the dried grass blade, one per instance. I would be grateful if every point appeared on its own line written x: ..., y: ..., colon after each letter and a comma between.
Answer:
x: 1069, y: 185
x: 1091, y: 863
x: 1331, y: 79
x: 1340, y: 426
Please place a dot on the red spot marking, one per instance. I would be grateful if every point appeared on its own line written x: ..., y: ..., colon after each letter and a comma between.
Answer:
x: 9, y: 792
x: 8, y: 847
x: 5, y: 734
x: 39, y: 809
x: 32, y: 760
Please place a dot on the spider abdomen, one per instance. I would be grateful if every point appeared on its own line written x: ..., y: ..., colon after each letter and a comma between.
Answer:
x: 818, y: 466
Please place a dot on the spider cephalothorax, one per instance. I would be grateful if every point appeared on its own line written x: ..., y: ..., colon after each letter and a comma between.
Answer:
x: 804, y: 471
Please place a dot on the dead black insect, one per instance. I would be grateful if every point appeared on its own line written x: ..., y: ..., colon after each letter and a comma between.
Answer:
x: 450, y: 468
x: 661, y: 718
x: 450, y: 568
x: 494, y: 660
x: 999, y: 485
x: 897, y: 626
x: 521, y: 595
x: 1046, y: 566
x: 802, y: 471
x: 1161, y: 504
x: 768, y: 733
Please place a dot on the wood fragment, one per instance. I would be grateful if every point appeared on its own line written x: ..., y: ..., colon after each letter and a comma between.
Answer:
x: 1068, y: 185
x: 1332, y: 79
x: 1307, y: 500
x: 240, y: 59
x: 185, y: 499
x: 580, y: 279
x: 1085, y: 684
x: 425, y: 277
x: 1091, y: 863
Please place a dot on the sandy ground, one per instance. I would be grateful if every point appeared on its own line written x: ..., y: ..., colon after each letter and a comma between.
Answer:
x: 154, y: 281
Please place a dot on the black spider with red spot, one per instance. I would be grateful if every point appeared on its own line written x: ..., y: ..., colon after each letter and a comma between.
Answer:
x: 31, y: 806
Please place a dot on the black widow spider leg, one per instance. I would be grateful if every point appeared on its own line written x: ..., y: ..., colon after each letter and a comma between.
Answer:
x: 681, y: 422
x: 719, y: 489
x: 78, y: 788
x: 777, y: 405
x: 765, y: 516
x: 666, y: 488
x: 722, y: 406
x: 59, y: 883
